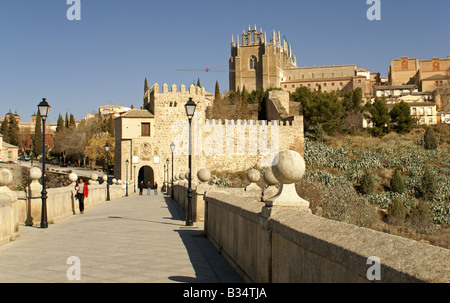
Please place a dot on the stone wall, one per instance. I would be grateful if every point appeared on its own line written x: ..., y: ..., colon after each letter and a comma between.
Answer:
x: 281, y: 241
x: 293, y: 246
x: 216, y: 144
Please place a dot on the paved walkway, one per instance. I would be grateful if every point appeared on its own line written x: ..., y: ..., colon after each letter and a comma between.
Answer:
x: 138, y: 239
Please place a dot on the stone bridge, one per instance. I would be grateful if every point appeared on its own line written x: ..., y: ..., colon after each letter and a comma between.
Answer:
x: 240, y: 235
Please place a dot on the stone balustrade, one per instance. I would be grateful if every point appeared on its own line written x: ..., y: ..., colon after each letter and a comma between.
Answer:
x: 24, y: 208
x: 271, y: 236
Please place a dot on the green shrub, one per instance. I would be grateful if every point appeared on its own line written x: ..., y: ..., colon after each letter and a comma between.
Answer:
x: 430, y: 140
x: 396, y: 211
x: 419, y: 217
x: 366, y: 184
x: 397, y: 184
x: 428, y: 187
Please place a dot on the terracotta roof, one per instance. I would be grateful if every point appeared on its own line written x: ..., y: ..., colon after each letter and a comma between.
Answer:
x: 137, y: 113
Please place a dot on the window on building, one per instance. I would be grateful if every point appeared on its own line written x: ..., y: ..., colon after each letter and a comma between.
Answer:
x: 430, y: 111
x: 414, y: 111
x: 253, y: 62
x: 145, y: 130
x: 421, y: 111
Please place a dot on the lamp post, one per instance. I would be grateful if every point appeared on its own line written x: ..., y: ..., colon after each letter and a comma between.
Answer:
x: 134, y: 179
x: 107, y: 148
x: 167, y: 187
x: 164, y: 182
x: 190, y: 110
x: 126, y: 177
x: 172, y: 148
x: 43, y: 111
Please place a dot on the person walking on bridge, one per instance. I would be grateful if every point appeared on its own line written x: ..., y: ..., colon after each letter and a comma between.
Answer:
x: 141, y: 187
x: 81, y: 191
x: 149, y: 188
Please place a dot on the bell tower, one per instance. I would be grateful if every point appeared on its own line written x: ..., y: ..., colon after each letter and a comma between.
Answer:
x: 258, y: 63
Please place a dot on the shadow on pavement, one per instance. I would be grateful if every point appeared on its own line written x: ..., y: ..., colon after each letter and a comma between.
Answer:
x: 208, y: 263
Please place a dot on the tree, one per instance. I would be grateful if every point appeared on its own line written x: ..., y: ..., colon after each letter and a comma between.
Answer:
x: 111, y: 127
x: 13, y: 131
x: 396, y: 211
x: 366, y: 183
x: 4, y: 129
x: 37, y: 139
x: 66, y: 122
x: 401, y: 118
x: 243, y: 112
x: 353, y: 100
x: 60, y: 126
x: 95, y: 148
x: 217, y: 94
x: 428, y: 187
x: 72, y: 122
x: 397, y: 184
x: 319, y: 133
x: 379, y: 116
x: 429, y: 139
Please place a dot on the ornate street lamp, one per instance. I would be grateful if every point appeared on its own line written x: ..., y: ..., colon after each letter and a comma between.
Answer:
x: 172, y: 148
x: 126, y: 177
x: 190, y: 111
x: 167, y: 187
x: 43, y: 108
x: 134, y: 178
x: 107, y: 149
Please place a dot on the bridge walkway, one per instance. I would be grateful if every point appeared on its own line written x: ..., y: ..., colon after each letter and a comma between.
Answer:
x: 137, y: 239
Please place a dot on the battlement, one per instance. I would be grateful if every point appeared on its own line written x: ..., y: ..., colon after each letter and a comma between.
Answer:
x: 296, y: 121
x: 193, y: 90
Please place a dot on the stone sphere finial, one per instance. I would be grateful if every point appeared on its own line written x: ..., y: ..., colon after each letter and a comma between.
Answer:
x: 204, y: 175
x: 5, y: 177
x: 182, y: 176
x: 73, y: 177
x: 269, y: 178
x: 94, y: 177
x: 290, y: 167
x: 114, y: 181
x: 105, y: 178
x: 253, y: 175
x: 35, y: 173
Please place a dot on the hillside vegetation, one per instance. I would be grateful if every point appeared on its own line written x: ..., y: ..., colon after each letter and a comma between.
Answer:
x: 351, y: 179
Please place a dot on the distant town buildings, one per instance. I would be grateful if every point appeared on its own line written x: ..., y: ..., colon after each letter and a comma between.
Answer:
x: 259, y: 63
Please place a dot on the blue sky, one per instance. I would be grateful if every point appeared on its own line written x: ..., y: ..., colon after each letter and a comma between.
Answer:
x: 105, y: 57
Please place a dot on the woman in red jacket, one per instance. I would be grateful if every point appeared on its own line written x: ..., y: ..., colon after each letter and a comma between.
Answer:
x: 82, y: 191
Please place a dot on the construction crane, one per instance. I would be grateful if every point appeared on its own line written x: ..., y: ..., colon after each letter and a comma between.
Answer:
x: 218, y: 69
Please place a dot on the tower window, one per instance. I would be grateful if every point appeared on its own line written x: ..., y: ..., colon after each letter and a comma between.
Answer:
x: 253, y: 62
x: 145, y: 130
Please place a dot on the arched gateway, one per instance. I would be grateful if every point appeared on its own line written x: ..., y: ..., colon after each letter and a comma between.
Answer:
x: 146, y: 174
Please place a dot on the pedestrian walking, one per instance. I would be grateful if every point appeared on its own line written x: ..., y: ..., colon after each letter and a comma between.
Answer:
x: 141, y: 187
x: 149, y: 188
x: 82, y: 191
x: 156, y: 188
